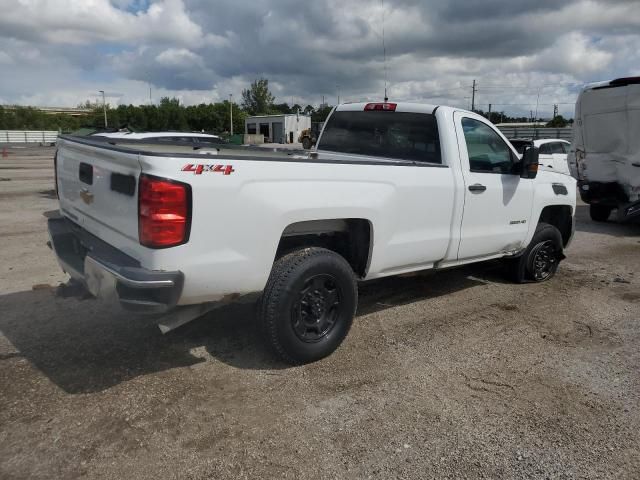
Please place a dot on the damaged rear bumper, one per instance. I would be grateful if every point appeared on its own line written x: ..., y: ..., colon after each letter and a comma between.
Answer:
x: 110, y: 274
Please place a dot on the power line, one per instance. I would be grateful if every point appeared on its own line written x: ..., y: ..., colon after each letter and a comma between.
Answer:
x: 534, y: 86
x: 534, y: 103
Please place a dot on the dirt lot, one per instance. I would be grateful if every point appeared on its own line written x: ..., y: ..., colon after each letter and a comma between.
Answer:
x: 454, y: 375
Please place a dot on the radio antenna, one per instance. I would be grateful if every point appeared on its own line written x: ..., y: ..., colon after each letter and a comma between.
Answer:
x: 384, y: 54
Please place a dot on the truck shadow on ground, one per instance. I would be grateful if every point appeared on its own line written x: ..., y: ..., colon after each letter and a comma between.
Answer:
x: 84, y: 347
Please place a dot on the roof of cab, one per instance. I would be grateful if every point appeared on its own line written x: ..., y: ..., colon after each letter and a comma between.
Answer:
x: 400, y: 107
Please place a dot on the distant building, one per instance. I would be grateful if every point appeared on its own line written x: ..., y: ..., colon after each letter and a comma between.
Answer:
x: 277, y: 128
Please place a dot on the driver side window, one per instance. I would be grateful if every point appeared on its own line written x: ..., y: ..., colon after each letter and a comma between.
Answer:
x: 488, y: 153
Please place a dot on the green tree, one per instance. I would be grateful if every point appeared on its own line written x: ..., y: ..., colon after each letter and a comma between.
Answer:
x: 321, y: 114
x: 283, y: 108
x: 309, y: 110
x: 558, y: 122
x: 257, y: 99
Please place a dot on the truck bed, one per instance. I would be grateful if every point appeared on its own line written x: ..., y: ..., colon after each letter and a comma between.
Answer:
x: 265, y: 194
x: 178, y: 148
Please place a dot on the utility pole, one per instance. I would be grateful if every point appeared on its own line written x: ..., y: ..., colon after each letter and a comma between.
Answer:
x: 489, y: 116
x: 231, y: 113
x: 555, y: 110
x: 338, y: 89
x: 150, y: 98
x: 473, y: 96
x: 104, y: 108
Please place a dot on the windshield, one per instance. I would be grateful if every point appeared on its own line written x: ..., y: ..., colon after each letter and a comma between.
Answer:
x: 401, y: 135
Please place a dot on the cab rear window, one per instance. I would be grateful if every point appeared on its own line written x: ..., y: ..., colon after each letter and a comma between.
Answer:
x: 398, y: 135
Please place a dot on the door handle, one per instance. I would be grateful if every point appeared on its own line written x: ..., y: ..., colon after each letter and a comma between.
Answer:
x: 476, y: 187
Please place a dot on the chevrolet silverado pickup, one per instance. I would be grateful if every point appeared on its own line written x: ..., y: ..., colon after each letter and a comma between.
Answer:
x: 391, y: 188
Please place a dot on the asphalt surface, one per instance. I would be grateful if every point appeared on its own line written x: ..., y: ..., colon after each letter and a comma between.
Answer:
x: 458, y: 374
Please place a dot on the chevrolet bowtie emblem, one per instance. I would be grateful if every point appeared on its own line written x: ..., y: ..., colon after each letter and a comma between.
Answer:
x: 87, y: 196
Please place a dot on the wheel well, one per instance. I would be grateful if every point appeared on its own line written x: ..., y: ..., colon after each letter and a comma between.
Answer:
x: 350, y: 237
x: 560, y: 217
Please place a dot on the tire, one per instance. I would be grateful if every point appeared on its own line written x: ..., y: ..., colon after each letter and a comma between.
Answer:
x: 600, y: 213
x: 306, y: 143
x: 308, y: 305
x: 540, y: 260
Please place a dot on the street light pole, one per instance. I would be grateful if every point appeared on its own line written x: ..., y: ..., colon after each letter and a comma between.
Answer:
x: 104, y: 108
x: 231, y: 112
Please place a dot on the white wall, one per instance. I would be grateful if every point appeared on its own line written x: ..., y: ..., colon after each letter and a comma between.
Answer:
x: 292, y: 123
x: 28, y: 136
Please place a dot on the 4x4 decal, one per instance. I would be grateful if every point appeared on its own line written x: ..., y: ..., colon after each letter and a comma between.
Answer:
x: 199, y: 168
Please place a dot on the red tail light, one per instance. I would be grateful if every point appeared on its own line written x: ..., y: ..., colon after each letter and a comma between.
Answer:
x: 387, y: 107
x: 164, y: 212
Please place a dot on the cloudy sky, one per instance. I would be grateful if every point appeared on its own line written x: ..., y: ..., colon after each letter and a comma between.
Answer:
x: 61, y: 52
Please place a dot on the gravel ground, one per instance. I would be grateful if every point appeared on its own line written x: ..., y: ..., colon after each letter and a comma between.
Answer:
x: 458, y: 374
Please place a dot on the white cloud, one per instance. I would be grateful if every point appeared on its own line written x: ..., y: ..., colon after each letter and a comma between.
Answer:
x: 5, y: 58
x: 66, y: 49
x: 85, y: 21
x: 572, y: 53
x: 178, y: 57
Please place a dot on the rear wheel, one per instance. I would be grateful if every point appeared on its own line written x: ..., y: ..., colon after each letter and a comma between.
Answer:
x: 599, y: 213
x: 541, y: 259
x: 308, y: 304
x: 306, y: 143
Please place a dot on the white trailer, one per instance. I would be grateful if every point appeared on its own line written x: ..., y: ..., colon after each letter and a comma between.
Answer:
x: 605, y: 155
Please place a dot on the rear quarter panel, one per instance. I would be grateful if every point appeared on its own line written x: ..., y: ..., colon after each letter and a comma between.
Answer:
x: 238, y: 219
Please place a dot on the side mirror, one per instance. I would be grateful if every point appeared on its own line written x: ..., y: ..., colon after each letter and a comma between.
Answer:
x: 529, y: 162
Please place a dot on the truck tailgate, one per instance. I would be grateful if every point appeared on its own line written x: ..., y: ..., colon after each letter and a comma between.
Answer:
x: 97, y: 190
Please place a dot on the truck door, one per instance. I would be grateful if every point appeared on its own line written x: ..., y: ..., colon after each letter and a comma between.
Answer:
x: 498, y: 203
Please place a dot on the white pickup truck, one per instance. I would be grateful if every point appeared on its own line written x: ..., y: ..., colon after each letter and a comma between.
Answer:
x: 391, y: 188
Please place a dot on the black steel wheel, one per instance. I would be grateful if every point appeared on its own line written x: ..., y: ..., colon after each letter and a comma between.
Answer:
x: 543, y: 260
x: 540, y: 260
x: 308, y: 304
x: 316, y: 312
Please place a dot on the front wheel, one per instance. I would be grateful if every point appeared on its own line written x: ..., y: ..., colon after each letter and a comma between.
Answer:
x: 541, y: 259
x: 308, y: 304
